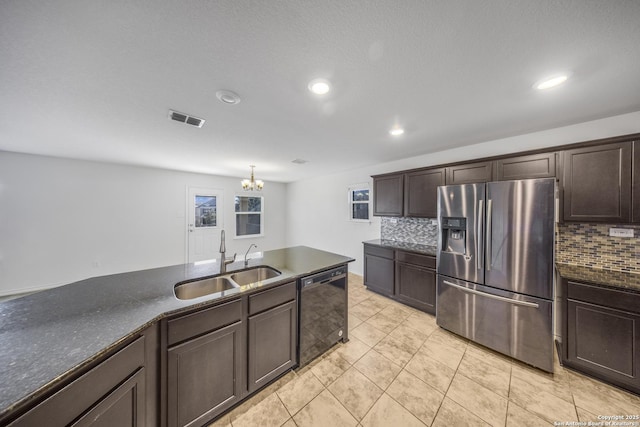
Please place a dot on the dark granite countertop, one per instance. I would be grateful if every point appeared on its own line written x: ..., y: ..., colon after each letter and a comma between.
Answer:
x: 45, y: 336
x: 601, y: 277
x: 405, y: 246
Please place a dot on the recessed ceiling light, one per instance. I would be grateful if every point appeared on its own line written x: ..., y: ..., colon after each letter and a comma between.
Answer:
x: 319, y: 86
x: 551, y: 82
x: 396, y: 131
x: 228, y: 97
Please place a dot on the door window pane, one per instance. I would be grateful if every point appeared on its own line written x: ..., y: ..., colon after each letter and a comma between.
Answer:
x: 206, y: 214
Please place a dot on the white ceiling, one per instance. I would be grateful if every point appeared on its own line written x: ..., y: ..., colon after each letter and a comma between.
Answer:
x: 92, y: 79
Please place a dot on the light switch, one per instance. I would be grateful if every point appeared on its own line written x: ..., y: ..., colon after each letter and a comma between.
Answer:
x: 621, y: 232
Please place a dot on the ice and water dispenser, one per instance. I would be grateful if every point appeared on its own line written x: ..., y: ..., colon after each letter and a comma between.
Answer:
x: 454, y: 235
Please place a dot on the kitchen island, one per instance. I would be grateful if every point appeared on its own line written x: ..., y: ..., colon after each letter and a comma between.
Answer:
x: 48, y: 338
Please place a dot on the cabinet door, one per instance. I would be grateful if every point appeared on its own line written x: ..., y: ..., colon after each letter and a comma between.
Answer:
x: 526, y: 167
x: 122, y: 407
x: 204, y: 376
x: 604, y: 342
x: 387, y: 195
x: 636, y: 181
x: 597, y: 183
x: 272, y: 344
x: 469, y: 173
x: 378, y: 274
x: 420, y: 193
x: 416, y: 286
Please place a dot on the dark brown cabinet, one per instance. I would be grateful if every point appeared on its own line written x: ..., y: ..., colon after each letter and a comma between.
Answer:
x: 416, y: 280
x: 421, y: 192
x: 636, y: 181
x: 112, y: 393
x: 388, y: 193
x: 405, y: 276
x: 205, y: 372
x: 597, y: 183
x: 602, y: 333
x: 379, y: 269
x: 468, y: 173
x: 272, y: 334
x: 526, y: 167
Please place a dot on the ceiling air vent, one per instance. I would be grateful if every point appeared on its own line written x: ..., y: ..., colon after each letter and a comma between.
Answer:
x: 299, y: 161
x: 185, y: 118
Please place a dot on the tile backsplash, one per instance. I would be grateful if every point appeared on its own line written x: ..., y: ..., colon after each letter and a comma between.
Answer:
x: 411, y: 230
x: 590, y: 245
x: 580, y: 244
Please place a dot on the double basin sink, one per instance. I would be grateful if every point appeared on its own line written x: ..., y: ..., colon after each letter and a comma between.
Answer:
x: 211, y: 285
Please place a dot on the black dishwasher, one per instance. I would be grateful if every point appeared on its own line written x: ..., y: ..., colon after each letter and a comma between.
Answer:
x: 322, y: 303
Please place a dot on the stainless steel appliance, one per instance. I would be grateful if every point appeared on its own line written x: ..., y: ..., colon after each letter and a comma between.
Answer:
x: 495, y: 266
x: 323, y: 312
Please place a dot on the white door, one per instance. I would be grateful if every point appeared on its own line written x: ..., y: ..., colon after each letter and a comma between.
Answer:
x: 204, y: 223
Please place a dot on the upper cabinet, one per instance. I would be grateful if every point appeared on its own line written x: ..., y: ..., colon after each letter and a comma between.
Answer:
x: 526, y: 167
x: 388, y: 192
x: 597, y: 183
x: 636, y: 181
x: 468, y: 173
x: 412, y: 194
x: 421, y: 192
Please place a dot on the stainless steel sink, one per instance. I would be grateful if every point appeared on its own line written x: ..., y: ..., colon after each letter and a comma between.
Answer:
x: 203, y: 287
x: 254, y: 275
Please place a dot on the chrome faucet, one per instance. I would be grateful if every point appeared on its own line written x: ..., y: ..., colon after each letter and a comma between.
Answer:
x: 246, y: 261
x: 223, y: 258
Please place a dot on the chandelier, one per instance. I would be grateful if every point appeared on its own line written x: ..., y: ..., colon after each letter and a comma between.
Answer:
x: 252, y: 184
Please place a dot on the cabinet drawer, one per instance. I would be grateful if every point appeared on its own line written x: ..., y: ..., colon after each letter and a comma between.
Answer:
x: 621, y: 300
x: 378, y: 251
x: 417, y: 259
x: 203, y: 321
x: 272, y: 298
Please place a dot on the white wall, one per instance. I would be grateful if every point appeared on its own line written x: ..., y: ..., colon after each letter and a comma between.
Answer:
x: 323, y: 200
x: 64, y: 220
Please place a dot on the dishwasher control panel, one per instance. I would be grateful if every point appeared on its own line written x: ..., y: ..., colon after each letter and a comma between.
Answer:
x: 325, y: 276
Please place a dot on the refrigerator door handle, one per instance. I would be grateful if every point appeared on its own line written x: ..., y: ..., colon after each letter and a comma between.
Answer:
x: 497, y: 297
x: 489, y: 233
x: 479, y: 236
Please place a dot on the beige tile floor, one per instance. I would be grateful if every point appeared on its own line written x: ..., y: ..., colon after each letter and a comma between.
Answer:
x: 400, y: 369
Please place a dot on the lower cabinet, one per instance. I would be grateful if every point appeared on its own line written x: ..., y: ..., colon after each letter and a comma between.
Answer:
x: 113, y: 393
x: 602, y: 334
x: 379, y: 269
x: 205, y: 364
x: 204, y: 375
x: 405, y: 276
x: 416, y: 281
x: 215, y: 357
x: 272, y: 344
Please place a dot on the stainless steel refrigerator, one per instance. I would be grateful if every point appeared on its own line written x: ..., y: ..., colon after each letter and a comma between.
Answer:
x: 495, y: 266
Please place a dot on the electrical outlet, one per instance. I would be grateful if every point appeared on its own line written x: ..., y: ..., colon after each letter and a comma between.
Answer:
x: 434, y: 222
x: 393, y: 220
x: 621, y: 232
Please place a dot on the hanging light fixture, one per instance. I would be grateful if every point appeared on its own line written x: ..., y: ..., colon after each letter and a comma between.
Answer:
x: 252, y: 184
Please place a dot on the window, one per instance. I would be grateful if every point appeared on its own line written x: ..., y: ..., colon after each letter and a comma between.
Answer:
x: 359, y: 203
x: 206, y: 211
x: 249, y: 216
